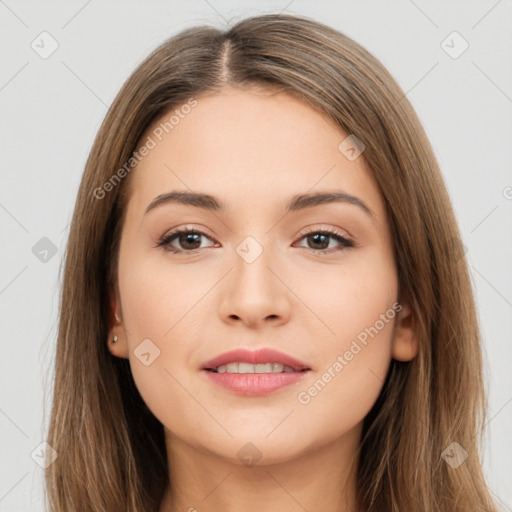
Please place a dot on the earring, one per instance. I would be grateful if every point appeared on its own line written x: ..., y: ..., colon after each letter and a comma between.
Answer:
x: 115, y: 339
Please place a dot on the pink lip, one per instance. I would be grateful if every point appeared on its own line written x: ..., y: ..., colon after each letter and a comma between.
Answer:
x: 254, y: 384
x: 260, y: 356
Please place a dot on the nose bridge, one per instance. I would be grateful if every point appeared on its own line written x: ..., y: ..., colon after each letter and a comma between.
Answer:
x: 251, y: 273
x: 254, y: 292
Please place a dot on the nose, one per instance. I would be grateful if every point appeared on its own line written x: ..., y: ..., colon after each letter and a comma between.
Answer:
x: 255, y: 294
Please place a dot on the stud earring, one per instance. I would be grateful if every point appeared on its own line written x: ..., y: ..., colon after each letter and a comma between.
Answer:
x: 115, y: 339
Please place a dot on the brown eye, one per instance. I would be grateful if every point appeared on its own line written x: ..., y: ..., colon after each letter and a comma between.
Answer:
x: 320, y: 241
x: 188, y: 240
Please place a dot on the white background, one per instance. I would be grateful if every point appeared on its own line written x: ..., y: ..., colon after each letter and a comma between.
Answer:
x: 52, y: 108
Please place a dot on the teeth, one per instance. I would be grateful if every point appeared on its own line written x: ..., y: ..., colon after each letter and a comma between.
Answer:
x: 253, y: 368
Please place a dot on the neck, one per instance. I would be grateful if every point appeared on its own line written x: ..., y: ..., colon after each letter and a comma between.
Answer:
x: 321, y: 479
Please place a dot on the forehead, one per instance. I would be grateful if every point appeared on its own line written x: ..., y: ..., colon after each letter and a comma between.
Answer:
x: 247, y: 146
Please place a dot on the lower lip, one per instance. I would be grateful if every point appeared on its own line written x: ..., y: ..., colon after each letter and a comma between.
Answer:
x: 254, y: 384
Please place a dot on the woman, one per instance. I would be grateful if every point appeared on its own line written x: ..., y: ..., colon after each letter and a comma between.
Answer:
x: 265, y: 302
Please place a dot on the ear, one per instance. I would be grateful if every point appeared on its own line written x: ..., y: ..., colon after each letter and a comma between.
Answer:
x: 116, y: 327
x: 405, y: 341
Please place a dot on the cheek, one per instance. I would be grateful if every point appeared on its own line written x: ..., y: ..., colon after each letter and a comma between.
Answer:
x: 352, y: 364
x: 345, y: 298
x: 156, y: 295
x: 154, y: 305
x: 162, y: 303
x: 357, y: 308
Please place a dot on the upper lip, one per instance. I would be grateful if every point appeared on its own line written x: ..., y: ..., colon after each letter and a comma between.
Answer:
x: 260, y: 356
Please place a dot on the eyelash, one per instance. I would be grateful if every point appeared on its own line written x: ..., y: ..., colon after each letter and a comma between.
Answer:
x: 345, y: 243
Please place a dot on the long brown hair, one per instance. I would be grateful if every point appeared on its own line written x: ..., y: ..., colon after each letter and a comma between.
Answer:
x: 111, y: 451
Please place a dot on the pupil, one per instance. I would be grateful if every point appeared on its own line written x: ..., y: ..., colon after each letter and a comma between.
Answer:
x: 316, y: 237
x: 185, y: 238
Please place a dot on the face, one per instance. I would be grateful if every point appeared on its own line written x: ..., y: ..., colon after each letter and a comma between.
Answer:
x: 316, y: 281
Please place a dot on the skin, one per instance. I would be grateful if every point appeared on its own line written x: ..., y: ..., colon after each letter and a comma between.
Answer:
x: 254, y: 150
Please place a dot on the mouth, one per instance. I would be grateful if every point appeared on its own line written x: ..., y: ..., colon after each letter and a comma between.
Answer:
x: 254, y: 373
x: 261, y: 368
x: 262, y: 360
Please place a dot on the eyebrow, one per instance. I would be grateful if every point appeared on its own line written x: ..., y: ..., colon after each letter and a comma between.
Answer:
x: 297, y: 202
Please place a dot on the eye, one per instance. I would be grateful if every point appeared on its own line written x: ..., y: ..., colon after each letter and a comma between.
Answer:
x: 189, y: 239
x: 320, y: 240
